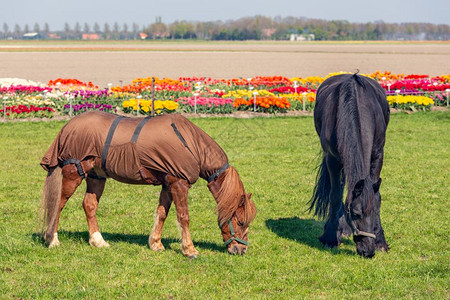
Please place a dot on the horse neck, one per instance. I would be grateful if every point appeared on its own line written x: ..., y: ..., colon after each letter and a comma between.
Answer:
x: 212, y: 159
x: 229, y: 193
x: 227, y: 190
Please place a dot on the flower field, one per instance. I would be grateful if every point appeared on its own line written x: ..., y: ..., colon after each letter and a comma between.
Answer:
x: 270, y: 94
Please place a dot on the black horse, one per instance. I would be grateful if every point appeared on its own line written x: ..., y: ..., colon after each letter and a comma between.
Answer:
x: 351, y: 117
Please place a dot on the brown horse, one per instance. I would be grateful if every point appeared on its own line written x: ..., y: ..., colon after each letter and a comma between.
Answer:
x: 166, y: 150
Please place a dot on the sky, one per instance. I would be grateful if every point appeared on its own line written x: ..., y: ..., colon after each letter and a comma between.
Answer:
x: 144, y: 12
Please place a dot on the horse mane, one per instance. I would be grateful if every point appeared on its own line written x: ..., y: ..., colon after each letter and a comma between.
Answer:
x: 230, y: 195
x: 348, y: 131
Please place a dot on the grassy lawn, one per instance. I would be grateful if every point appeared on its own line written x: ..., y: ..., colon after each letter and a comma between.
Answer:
x: 276, y: 158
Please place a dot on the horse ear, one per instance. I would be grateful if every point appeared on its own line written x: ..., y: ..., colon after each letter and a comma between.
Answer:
x: 249, y: 195
x: 376, y: 186
x: 359, y: 186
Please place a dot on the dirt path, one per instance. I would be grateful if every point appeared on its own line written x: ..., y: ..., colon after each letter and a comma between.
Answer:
x: 105, y: 63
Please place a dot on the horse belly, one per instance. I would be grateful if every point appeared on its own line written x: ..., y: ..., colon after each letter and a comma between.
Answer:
x: 328, y: 141
x: 123, y: 164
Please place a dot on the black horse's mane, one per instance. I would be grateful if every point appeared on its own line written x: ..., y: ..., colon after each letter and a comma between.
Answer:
x: 348, y: 130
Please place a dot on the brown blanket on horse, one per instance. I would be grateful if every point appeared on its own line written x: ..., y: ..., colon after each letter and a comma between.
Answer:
x: 169, y: 143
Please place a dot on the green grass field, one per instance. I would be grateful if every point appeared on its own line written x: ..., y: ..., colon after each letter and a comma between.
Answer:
x: 276, y: 158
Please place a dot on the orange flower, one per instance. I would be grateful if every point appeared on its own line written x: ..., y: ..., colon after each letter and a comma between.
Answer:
x: 73, y: 82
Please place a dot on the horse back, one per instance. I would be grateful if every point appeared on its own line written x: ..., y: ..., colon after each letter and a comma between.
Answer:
x: 79, y: 138
x: 168, y: 144
x: 370, y: 111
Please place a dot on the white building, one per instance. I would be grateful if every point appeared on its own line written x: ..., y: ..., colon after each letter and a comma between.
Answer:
x: 302, y: 37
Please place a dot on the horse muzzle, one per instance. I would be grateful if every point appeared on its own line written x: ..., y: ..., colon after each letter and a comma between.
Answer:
x: 237, y: 249
x: 365, y: 246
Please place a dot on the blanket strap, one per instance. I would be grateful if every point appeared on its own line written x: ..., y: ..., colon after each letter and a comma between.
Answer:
x: 139, y: 128
x: 77, y: 163
x: 95, y: 176
x: 177, y: 132
x: 217, y: 174
x: 109, y: 137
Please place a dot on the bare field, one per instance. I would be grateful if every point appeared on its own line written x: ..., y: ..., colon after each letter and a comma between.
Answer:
x: 111, y: 62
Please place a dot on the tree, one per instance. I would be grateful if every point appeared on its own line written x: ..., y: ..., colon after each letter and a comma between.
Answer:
x: 67, y: 31
x: 106, y: 31
x: 96, y: 27
x: 125, y: 32
x: 135, y: 30
x: 255, y: 28
x: 77, y: 31
x: 17, y: 32
x: 46, y: 31
x: 182, y: 30
x: 115, y: 34
x: 158, y: 31
x: 86, y: 28
x: 36, y: 28
x: 5, y: 30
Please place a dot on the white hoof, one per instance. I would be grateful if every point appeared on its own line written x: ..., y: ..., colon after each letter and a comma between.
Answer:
x: 155, y: 245
x: 96, y: 240
x: 54, y: 242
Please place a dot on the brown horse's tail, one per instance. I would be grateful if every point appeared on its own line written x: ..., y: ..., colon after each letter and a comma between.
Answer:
x: 51, y: 197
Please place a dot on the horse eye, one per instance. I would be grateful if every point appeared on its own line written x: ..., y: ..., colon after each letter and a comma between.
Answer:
x: 356, y: 214
x: 356, y: 210
x: 240, y: 223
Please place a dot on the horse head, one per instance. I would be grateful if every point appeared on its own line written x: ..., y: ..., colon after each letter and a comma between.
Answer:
x: 235, y: 210
x: 360, y: 214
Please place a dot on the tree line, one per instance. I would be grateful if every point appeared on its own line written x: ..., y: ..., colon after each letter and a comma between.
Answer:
x: 248, y: 28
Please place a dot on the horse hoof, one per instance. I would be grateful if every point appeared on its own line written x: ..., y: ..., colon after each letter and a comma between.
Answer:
x: 96, y: 240
x: 191, y: 254
x: 155, y: 245
x: 97, y: 244
x: 54, y: 242
x: 328, y: 243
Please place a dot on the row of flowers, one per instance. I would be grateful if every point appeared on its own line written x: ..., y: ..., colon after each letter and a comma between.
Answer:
x: 409, y: 102
x: 23, y: 111
x: 274, y: 94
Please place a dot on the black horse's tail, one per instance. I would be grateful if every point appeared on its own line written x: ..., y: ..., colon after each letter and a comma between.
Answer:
x: 321, y: 195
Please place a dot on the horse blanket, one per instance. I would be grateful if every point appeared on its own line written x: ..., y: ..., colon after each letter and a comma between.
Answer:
x: 170, y: 144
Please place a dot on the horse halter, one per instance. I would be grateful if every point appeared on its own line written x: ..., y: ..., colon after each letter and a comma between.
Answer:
x: 233, y: 236
x: 356, y: 231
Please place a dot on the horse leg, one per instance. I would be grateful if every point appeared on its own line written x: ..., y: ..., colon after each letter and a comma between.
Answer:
x: 331, y: 235
x: 179, y: 192
x: 94, y: 190
x: 70, y: 181
x: 165, y: 200
x: 344, y: 229
x: 380, y: 240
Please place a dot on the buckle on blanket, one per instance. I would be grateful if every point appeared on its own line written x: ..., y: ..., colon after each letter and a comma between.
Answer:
x: 217, y: 174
